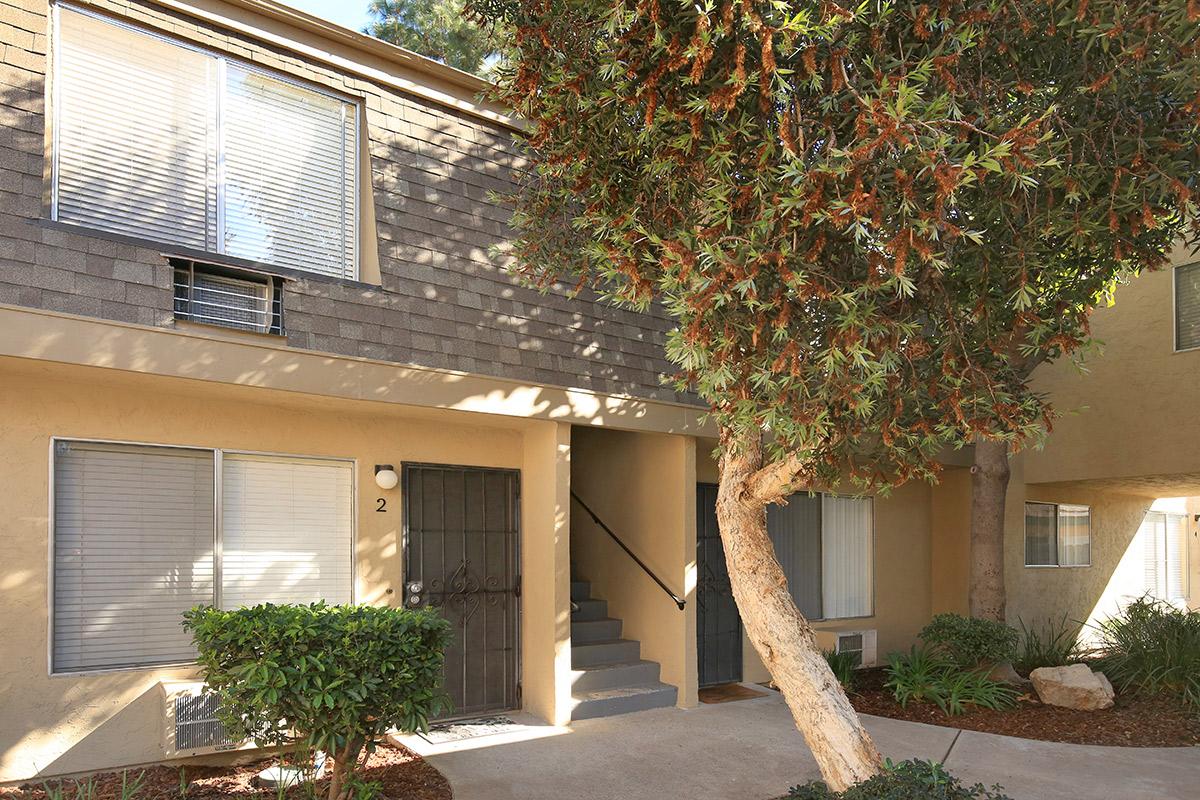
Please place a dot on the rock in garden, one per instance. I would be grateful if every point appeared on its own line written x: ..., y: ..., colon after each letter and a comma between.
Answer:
x: 1075, y: 686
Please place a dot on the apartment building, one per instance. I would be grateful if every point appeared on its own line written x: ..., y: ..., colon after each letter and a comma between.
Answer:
x: 257, y: 344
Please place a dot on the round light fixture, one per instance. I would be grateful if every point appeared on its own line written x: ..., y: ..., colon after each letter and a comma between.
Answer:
x: 385, y: 476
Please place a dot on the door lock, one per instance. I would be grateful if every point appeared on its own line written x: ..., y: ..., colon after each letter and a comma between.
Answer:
x: 414, y: 593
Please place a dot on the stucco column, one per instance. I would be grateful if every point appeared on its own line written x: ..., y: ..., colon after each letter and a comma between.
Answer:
x: 546, y: 571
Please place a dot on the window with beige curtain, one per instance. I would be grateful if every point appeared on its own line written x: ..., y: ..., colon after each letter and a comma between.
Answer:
x: 825, y: 544
x: 1058, y: 535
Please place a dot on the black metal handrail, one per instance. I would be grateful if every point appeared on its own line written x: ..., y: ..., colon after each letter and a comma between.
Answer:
x: 678, y: 601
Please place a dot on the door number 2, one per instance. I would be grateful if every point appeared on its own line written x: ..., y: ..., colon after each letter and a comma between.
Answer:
x: 381, y: 504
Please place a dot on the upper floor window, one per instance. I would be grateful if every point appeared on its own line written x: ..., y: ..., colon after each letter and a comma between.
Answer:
x: 160, y: 140
x: 1187, y: 307
x: 1058, y: 535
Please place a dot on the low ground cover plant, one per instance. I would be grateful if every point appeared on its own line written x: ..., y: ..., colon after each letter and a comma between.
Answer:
x: 907, y: 780
x: 843, y: 666
x: 1153, y: 648
x: 1051, y: 644
x: 925, y: 675
x: 317, y: 677
x: 970, y: 642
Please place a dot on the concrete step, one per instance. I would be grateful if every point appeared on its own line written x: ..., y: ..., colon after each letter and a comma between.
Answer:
x: 590, y: 610
x: 622, y: 700
x: 619, y: 651
x: 611, y: 676
x: 595, y: 630
x: 581, y: 590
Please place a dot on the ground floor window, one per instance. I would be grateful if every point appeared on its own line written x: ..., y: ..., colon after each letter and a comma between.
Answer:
x: 1164, y: 555
x: 825, y: 544
x: 143, y: 533
x: 1057, y: 535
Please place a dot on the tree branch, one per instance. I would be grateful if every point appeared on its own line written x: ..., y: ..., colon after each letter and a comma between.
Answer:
x: 774, y: 481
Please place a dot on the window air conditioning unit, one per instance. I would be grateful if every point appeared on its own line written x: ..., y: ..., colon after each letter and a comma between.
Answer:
x: 860, y: 642
x: 191, y: 726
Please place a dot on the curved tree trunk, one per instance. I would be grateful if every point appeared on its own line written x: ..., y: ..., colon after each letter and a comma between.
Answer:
x: 780, y: 633
x: 989, y: 487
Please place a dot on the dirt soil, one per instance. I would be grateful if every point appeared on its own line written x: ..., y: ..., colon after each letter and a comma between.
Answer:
x: 1132, y: 722
x: 402, y: 773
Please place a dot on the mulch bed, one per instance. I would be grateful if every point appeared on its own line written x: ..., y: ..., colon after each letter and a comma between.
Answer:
x: 402, y: 773
x: 1132, y: 722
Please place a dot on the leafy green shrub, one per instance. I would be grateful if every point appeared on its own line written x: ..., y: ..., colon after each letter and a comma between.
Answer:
x: 928, y: 676
x: 1152, y: 647
x: 318, y: 677
x: 843, y: 665
x: 908, y: 780
x: 970, y: 642
x: 1048, y: 645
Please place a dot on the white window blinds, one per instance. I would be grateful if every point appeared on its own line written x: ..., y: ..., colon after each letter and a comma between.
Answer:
x: 167, y: 142
x: 1164, y: 548
x: 846, y: 556
x: 133, y: 545
x: 287, y: 531
x: 1187, y: 307
x: 134, y: 123
x: 288, y: 167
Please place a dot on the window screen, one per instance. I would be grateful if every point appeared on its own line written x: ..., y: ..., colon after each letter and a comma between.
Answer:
x: 286, y: 532
x: 1187, y: 307
x: 133, y: 550
x: 167, y: 142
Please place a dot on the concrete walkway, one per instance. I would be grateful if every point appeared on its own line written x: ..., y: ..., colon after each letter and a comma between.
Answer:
x: 749, y: 750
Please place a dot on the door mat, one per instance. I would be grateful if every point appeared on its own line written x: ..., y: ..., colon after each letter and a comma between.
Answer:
x: 460, y: 729
x: 728, y: 693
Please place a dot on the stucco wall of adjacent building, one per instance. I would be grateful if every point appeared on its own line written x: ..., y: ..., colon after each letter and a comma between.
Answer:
x: 431, y: 291
x: 642, y: 485
x: 1132, y: 414
x: 63, y: 724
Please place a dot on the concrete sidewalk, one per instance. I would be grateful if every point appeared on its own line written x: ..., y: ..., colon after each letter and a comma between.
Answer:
x: 749, y: 750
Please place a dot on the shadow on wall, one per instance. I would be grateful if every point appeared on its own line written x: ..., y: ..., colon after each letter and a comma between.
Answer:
x: 1139, y: 546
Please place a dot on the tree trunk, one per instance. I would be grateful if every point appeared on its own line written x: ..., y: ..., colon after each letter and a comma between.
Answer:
x: 780, y: 633
x: 343, y: 770
x: 989, y: 486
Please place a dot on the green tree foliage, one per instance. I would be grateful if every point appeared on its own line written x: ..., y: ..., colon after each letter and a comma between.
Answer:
x: 332, y: 678
x: 865, y: 220
x: 434, y: 28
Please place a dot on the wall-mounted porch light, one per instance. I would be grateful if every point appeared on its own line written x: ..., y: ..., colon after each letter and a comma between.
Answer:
x: 385, y: 476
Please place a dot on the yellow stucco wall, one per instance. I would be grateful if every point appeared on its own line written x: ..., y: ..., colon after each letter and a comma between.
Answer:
x: 1132, y: 414
x: 643, y: 486
x: 950, y: 541
x: 63, y: 724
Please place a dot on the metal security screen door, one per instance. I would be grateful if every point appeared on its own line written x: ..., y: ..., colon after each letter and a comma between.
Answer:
x: 718, y: 624
x: 460, y: 556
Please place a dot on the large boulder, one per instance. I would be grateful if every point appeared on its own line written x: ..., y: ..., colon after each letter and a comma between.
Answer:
x: 1074, y: 686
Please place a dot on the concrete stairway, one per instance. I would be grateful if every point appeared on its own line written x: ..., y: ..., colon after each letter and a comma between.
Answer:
x: 608, y: 675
